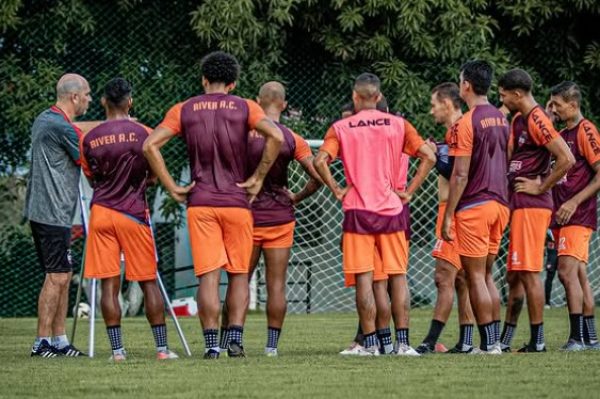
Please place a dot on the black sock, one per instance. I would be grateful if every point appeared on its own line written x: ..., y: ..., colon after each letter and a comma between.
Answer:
x: 210, y: 339
x: 371, y: 340
x: 115, y: 337
x: 466, y: 335
x: 576, y: 322
x: 435, y: 330
x: 159, y: 331
x: 487, y: 336
x: 508, y: 332
x: 384, y: 336
x: 497, y: 330
x: 402, y: 336
x: 236, y: 334
x: 273, y: 334
x: 537, y: 334
x: 359, y: 338
x: 224, y: 340
x: 589, y: 329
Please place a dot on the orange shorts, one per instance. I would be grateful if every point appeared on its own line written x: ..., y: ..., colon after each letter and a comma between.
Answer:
x: 573, y: 241
x: 281, y: 236
x: 382, y: 254
x: 443, y: 249
x: 527, y: 239
x: 112, y: 232
x: 220, y: 237
x: 479, y: 229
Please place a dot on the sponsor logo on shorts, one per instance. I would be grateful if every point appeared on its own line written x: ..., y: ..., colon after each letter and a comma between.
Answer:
x: 514, y: 258
x: 562, y: 244
x: 438, y: 245
x: 69, y: 257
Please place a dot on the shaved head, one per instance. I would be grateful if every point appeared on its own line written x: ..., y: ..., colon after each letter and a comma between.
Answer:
x: 70, y: 83
x: 367, y: 86
x: 271, y: 93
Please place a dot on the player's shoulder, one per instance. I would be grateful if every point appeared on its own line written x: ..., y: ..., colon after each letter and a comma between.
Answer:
x: 587, y: 127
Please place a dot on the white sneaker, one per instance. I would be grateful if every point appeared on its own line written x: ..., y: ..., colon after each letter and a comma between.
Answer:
x: 353, y: 349
x: 271, y: 352
x: 371, y: 351
x: 166, y: 355
x: 494, y: 350
x: 405, y: 350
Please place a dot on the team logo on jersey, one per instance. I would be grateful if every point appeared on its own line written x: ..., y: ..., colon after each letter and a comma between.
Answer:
x: 515, y: 166
x: 514, y: 258
x: 523, y: 138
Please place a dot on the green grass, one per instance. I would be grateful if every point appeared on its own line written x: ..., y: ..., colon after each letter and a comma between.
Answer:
x: 308, y: 365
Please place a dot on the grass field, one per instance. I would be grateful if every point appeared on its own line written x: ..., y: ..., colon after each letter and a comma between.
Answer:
x: 308, y: 365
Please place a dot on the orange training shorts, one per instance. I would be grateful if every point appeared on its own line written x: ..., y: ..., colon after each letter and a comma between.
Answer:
x: 382, y: 254
x: 479, y: 229
x: 112, y: 232
x: 443, y: 249
x: 574, y: 241
x: 527, y: 239
x: 281, y: 236
x: 220, y: 237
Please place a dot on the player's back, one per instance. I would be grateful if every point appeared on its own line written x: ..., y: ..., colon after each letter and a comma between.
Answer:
x: 112, y: 157
x: 215, y: 128
x: 371, y: 149
x: 487, y: 129
x: 273, y: 205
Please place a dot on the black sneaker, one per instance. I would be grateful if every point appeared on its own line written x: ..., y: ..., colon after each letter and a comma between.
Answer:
x: 212, y: 354
x: 70, y: 351
x: 505, y: 348
x: 425, y: 349
x: 235, y: 350
x: 531, y: 349
x: 45, y: 350
x: 460, y: 349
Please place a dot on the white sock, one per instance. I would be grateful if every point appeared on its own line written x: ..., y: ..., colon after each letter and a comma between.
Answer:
x: 60, y: 341
x: 38, y: 341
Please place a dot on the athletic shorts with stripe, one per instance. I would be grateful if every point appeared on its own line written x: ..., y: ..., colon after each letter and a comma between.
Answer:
x: 573, y: 241
x: 527, y: 239
x: 445, y: 250
x: 112, y: 233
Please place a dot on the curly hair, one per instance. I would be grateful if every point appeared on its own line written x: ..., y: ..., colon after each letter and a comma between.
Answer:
x: 220, y: 67
x: 117, y: 91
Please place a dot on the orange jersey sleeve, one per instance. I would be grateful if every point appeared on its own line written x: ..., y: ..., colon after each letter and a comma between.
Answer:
x: 255, y: 114
x: 541, y: 128
x: 460, y: 137
x: 85, y: 167
x: 172, y: 120
x: 302, y: 148
x: 331, y: 144
x: 412, y: 140
x: 588, y: 141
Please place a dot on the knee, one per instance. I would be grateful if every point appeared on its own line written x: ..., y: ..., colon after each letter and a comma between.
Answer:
x: 59, y: 279
x: 443, y: 282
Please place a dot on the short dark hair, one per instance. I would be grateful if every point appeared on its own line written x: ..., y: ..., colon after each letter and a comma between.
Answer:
x: 348, y: 107
x: 117, y: 91
x: 516, y: 79
x: 568, y: 90
x: 479, y: 74
x: 367, y: 85
x: 220, y: 67
x: 448, y: 91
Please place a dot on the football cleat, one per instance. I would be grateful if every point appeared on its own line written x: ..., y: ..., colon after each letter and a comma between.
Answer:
x: 271, y: 352
x: 460, y: 349
x: 235, y: 350
x: 45, y: 350
x: 353, y: 349
x: 573, y: 345
x: 405, y: 350
x: 528, y: 348
x: 166, y: 355
x: 425, y: 349
x: 211, y: 354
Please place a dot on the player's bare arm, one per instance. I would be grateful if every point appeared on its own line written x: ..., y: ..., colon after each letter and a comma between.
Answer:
x: 564, y: 161
x: 321, y: 164
x: 273, y: 140
x: 159, y: 137
x: 566, y: 211
x: 458, y: 183
x: 426, y: 162
x: 312, y: 185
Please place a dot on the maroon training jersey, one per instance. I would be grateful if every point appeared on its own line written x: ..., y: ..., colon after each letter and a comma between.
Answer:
x: 584, y: 142
x: 273, y: 205
x: 215, y: 129
x: 482, y: 133
x: 530, y: 158
x: 112, y: 157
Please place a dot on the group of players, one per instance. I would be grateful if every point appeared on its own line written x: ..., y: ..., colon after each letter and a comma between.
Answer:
x: 239, y: 207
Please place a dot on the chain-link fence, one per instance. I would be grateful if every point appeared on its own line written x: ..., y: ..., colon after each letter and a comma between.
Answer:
x: 168, y: 72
